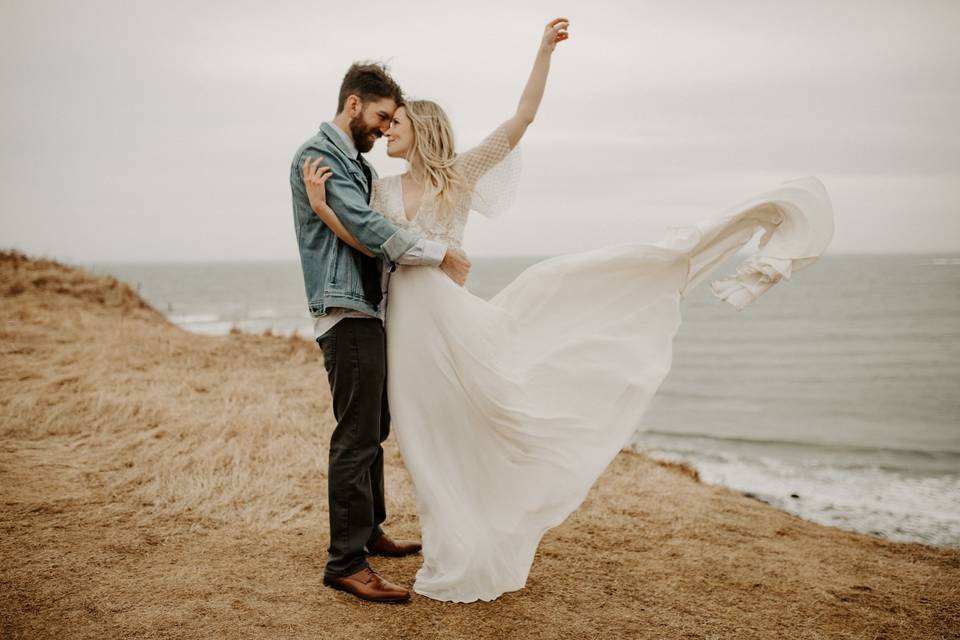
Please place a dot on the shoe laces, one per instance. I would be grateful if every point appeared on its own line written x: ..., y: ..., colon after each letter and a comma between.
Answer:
x: 371, y: 572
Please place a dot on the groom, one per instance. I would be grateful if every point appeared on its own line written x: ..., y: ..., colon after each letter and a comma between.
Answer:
x: 345, y: 296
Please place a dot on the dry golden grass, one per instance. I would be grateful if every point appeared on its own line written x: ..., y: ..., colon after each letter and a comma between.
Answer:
x: 159, y: 484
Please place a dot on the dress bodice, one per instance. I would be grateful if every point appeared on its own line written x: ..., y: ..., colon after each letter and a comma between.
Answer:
x: 431, y: 221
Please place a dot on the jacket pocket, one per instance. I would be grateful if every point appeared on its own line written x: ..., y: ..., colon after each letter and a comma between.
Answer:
x: 328, y: 346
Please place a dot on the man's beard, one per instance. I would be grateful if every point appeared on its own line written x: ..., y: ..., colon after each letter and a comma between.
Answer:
x: 361, y: 133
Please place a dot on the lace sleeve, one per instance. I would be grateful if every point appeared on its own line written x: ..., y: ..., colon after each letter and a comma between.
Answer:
x: 480, y: 159
x: 492, y: 170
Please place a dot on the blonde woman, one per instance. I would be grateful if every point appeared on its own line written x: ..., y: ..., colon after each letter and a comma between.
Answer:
x: 506, y: 411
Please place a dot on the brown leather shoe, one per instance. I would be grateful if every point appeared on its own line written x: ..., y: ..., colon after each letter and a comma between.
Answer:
x: 384, y: 546
x: 369, y: 585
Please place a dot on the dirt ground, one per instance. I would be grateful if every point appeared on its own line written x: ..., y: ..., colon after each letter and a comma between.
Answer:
x: 160, y: 484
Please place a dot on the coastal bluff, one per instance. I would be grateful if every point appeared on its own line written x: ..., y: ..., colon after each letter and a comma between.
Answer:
x: 156, y: 483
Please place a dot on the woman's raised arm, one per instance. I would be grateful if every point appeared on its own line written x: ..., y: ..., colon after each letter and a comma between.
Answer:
x: 555, y: 31
x: 314, y: 175
x: 477, y: 161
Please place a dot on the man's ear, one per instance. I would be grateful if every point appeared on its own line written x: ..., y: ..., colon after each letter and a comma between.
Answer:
x: 353, y: 106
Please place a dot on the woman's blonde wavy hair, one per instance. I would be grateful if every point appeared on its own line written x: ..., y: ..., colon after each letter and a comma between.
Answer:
x: 433, y: 147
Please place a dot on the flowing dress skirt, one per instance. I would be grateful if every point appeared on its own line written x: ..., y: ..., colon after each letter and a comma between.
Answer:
x: 506, y: 411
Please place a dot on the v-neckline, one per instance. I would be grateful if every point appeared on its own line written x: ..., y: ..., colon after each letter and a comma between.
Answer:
x: 403, y: 204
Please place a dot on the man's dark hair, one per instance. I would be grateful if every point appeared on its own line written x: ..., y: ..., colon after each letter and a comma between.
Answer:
x: 368, y: 81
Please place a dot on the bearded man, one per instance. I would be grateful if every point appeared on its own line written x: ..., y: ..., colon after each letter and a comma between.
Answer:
x: 344, y: 288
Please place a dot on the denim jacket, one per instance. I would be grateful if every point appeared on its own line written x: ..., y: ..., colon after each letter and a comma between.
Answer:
x: 333, y: 272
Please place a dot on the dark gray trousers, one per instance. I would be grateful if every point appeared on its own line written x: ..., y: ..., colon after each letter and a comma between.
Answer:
x: 355, y: 357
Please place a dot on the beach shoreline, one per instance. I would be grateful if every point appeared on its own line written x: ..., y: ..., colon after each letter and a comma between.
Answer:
x: 158, y: 483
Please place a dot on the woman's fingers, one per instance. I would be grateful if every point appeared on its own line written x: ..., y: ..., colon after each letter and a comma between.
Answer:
x: 313, y: 170
x: 315, y: 174
x: 557, y: 29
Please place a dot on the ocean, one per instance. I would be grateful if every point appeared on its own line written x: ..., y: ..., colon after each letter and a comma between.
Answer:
x: 836, y: 396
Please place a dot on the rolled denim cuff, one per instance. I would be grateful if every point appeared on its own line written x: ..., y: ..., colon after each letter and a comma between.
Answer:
x: 397, y: 244
x: 424, y: 253
x: 433, y: 253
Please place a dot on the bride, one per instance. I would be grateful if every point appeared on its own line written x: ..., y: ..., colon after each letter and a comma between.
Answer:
x: 506, y: 411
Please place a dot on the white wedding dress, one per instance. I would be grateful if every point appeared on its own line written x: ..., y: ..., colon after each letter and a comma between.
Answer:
x: 506, y: 411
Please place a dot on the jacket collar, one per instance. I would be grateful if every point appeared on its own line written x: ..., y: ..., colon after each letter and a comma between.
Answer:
x: 340, y: 139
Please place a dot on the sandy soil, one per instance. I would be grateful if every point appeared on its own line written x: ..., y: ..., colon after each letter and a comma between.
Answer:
x: 160, y: 484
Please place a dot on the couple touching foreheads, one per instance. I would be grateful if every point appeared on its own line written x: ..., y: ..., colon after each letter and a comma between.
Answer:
x: 505, y: 411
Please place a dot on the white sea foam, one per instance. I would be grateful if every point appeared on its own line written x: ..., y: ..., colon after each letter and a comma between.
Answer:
x: 193, y: 318
x: 218, y: 328
x: 894, y: 504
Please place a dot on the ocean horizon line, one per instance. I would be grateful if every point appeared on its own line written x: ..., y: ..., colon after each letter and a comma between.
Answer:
x: 530, y: 256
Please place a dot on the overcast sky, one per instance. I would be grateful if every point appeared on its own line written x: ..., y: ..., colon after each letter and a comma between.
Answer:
x: 164, y: 130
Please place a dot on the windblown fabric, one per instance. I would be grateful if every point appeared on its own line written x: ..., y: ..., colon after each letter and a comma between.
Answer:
x: 506, y: 411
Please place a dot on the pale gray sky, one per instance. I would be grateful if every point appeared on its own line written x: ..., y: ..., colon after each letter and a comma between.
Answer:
x: 164, y: 131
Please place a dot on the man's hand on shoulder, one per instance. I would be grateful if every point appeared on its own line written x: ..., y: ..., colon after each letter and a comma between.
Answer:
x: 456, y: 265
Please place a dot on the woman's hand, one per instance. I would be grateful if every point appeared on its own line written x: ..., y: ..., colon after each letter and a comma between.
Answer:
x: 314, y: 175
x: 554, y: 32
x: 456, y: 265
